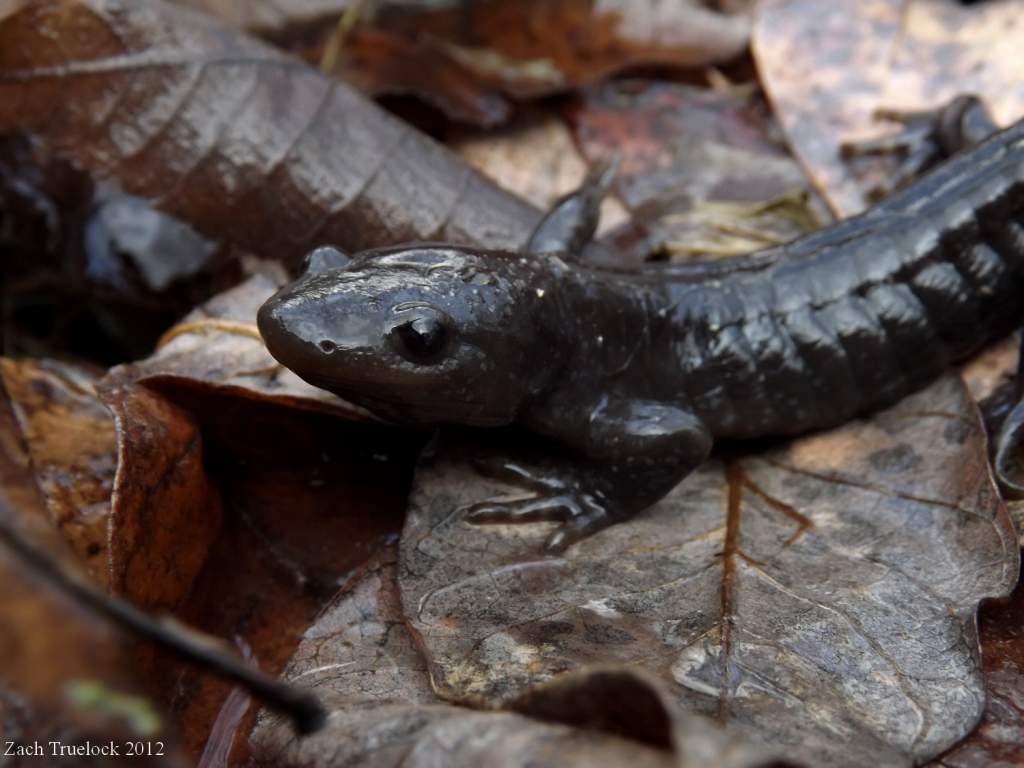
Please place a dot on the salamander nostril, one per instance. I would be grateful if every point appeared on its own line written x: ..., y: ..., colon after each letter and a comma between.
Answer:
x: 328, y: 346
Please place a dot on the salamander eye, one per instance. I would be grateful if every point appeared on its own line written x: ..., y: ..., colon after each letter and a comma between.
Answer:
x: 420, y: 339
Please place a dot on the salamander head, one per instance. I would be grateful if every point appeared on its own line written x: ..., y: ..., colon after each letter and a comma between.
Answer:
x: 418, y: 334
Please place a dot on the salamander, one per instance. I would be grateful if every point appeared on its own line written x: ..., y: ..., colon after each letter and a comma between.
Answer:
x: 633, y: 375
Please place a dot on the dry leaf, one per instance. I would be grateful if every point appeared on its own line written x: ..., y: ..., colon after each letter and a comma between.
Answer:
x: 467, y: 59
x: 238, y: 513
x: 69, y: 435
x: 828, y: 66
x: 67, y: 676
x: 536, y: 159
x: 701, y: 172
x: 999, y: 739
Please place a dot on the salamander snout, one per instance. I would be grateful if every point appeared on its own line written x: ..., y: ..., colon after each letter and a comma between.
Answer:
x: 291, y: 334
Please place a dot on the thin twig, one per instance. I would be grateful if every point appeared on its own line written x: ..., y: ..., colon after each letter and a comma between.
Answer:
x: 304, y: 709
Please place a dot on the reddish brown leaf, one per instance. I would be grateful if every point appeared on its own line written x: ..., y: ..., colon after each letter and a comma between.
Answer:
x: 66, y: 675
x: 536, y: 158
x: 999, y: 739
x: 69, y: 435
x: 166, y: 513
x: 306, y: 499
x: 466, y: 58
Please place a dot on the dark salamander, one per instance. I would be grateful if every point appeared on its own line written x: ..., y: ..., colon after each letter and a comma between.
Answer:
x: 637, y: 372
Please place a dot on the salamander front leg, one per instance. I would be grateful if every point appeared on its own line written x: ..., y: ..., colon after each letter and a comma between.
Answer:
x: 561, y: 494
x: 572, y: 221
x: 626, y: 456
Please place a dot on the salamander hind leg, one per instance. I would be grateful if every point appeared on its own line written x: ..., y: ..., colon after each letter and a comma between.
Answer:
x: 1008, y: 460
x: 927, y: 138
x: 623, y: 458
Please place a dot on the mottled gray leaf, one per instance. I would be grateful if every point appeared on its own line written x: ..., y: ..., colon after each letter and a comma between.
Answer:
x: 367, y: 667
x: 821, y: 594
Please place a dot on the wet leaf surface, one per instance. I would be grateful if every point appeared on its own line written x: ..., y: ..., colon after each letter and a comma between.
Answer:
x: 798, y: 592
x: 366, y: 664
x: 828, y: 67
x: 307, y: 501
x: 166, y: 514
x: 232, y: 137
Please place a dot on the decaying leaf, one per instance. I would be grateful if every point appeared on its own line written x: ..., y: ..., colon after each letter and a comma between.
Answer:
x: 165, y: 512
x: 999, y: 739
x: 239, y: 501
x: 827, y: 67
x: 238, y: 140
x: 821, y: 594
x: 367, y: 666
x: 468, y: 58
x: 534, y: 157
x: 69, y: 435
x: 66, y: 674
x: 307, y: 501
x: 701, y: 172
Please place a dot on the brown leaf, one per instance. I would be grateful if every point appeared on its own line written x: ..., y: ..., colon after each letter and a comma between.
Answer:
x: 820, y: 594
x: 307, y: 501
x: 66, y: 674
x: 166, y: 514
x: 463, y: 58
x: 231, y: 136
x: 700, y: 171
x: 828, y: 66
x: 366, y: 665
x: 536, y: 158
x: 69, y: 436
x: 241, y: 514
x: 466, y: 59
